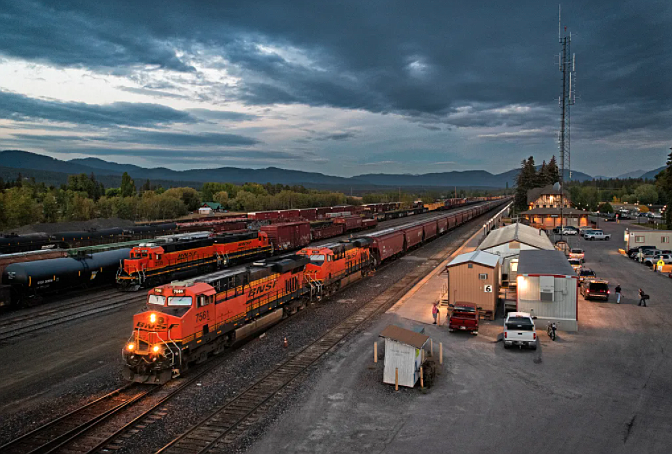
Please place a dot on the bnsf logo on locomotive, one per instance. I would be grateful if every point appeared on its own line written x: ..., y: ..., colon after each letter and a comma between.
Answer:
x: 261, y: 289
x: 159, y: 326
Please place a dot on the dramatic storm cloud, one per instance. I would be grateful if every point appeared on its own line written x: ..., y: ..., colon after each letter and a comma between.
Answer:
x: 391, y: 85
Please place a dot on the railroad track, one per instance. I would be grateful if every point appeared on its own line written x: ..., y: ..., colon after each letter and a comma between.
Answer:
x: 82, y: 307
x: 222, y: 428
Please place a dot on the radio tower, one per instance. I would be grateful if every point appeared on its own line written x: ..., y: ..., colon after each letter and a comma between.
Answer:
x: 566, y: 65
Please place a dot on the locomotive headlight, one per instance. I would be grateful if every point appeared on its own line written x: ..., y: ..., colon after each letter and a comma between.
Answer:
x: 155, y: 349
x: 130, y: 347
x: 152, y: 318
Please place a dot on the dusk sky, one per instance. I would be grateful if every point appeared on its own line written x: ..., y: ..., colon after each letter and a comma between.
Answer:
x: 341, y: 87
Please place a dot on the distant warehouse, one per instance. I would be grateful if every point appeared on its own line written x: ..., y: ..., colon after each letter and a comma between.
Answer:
x: 507, y: 242
x: 548, y: 288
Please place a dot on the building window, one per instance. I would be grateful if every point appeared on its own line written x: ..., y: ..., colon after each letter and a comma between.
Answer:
x: 664, y: 239
x: 483, y: 276
x: 470, y: 265
x: 639, y: 239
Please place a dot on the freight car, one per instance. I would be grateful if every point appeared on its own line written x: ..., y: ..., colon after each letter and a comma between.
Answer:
x: 184, y: 255
x: 31, y: 279
x: 287, y: 236
x: 10, y: 244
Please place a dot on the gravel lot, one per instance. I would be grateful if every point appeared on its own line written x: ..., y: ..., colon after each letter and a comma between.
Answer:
x: 60, y: 369
x: 605, y: 389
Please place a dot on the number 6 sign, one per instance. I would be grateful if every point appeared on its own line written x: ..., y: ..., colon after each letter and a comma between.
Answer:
x: 487, y: 289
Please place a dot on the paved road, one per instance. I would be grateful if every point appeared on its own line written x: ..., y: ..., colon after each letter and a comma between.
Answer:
x: 605, y: 389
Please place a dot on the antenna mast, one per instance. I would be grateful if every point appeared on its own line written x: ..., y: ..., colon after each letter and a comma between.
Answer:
x: 566, y: 65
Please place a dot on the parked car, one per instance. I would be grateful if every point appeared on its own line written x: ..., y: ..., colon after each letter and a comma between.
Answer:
x: 567, y: 230
x: 632, y: 252
x: 584, y: 229
x: 624, y: 215
x: 519, y: 330
x: 586, y: 273
x: 464, y: 317
x: 595, y: 288
x: 597, y: 235
x: 575, y: 263
x: 577, y: 253
x: 651, y: 261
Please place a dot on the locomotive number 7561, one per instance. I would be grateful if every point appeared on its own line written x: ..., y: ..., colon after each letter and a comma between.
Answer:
x: 201, y: 316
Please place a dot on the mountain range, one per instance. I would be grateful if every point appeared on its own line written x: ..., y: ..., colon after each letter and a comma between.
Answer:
x: 55, y: 171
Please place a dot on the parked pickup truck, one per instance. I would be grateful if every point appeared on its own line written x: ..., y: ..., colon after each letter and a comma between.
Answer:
x: 596, y: 235
x: 651, y: 261
x: 464, y: 317
x: 519, y: 330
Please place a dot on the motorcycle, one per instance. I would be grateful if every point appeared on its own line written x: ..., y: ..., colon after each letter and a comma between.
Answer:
x: 550, y: 329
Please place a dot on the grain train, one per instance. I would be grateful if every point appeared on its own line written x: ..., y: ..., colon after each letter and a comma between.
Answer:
x: 186, y: 321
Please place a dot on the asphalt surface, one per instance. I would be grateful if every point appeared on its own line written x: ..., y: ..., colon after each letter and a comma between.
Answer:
x: 59, y: 369
x: 605, y: 389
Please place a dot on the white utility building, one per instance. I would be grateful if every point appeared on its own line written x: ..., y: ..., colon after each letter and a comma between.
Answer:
x: 404, y: 353
x: 507, y: 242
x: 548, y: 288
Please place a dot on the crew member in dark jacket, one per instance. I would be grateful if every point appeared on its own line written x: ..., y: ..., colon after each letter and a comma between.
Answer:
x: 642, y: 298
x: 618, y: 294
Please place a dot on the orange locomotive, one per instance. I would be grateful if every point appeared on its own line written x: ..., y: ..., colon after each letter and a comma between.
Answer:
x: 336, y: 265
x: 179, y: 256
x: 186, y: 321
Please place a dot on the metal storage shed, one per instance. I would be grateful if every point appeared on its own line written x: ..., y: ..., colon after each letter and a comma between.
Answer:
x: 507, y: 242
x: 548, y: 288
x: 403, y: 353
x: 474, y: 278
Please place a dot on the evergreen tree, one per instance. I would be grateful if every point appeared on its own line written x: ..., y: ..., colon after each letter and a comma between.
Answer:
x: 543, y: 176
x: 127, y: 186
x: 146, y: 186
x: 553, y: 171
x: 526, y: 180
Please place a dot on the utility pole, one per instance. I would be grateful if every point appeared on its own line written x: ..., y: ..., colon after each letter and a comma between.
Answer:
x: 566, y: 65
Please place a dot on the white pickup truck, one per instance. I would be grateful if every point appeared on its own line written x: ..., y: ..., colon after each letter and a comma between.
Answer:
x: 519, y: 330
x: 596, y: 235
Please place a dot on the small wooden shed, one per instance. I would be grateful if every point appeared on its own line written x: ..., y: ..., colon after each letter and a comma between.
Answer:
x: 403, y: 352
x: 474, y: 278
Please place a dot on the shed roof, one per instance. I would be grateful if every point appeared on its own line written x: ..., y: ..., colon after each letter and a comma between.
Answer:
x: 404, y: 336
x: 544, y: 262
x: 213, y: 205
x: 517, y: 232
x: 480, y: 257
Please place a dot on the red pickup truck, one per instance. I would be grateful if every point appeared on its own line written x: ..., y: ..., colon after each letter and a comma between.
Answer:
x: 464, y: 317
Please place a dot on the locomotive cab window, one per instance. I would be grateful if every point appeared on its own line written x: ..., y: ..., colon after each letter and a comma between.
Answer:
x: 179, y: 301
x: 156, y: 299
x: 318, y: 259
x: 203, y: 300
x: 158, y: 256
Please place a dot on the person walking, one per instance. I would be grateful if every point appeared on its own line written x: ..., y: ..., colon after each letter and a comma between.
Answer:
x: 618, y: 293
x: 642, y: 298
x: 435, y: 311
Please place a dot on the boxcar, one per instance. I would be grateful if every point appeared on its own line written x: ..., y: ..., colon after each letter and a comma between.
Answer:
x: 326, y: 230
x: 386, y: 244
x: 442, y: 225
x: 351, y: 222
x: 288, y: 235
x: 429, y: 229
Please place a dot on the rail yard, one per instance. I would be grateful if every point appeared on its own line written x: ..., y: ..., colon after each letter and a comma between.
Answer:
x: 114, y: 411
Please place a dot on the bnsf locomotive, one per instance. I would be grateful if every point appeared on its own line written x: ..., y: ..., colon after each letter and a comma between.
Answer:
x: 186, y: 321
x: 180, y: 256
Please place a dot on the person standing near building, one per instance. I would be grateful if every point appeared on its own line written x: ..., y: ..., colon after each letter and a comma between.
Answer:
x: 642, y: 298
x: 618, y: 293
x: 435, y: 311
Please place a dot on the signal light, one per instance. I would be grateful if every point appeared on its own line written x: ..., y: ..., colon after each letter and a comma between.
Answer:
x: 155, y: 348
x: 130, y: 347
x: 152, y: 318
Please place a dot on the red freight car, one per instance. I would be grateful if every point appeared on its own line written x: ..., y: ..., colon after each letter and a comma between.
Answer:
x: 322, y: 230
x: 289, y: 214
x: 263, y: 215
x: 288, y: 235
x: 369, y: 223
x: 442, y: 225
x: 309, y: 214
x: 413, y: 235
x: 386, y: 244
x: 351, y: 223
x: 429, y: 229
x: 322, y: 212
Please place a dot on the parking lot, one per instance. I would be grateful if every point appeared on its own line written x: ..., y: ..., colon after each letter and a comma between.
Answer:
x: 605, y: 389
